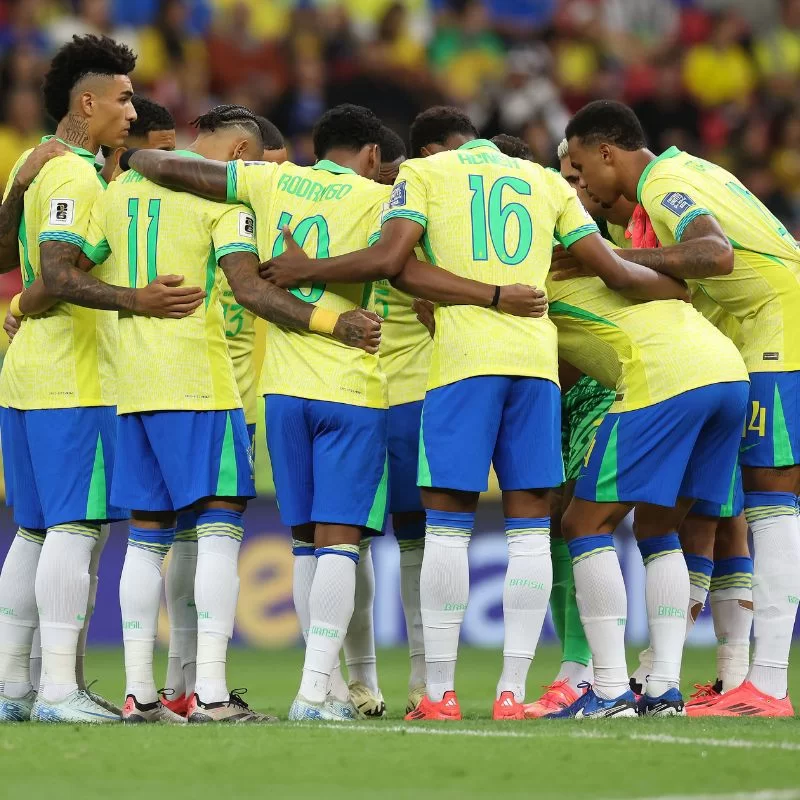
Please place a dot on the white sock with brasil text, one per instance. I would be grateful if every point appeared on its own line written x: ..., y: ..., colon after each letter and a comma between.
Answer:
x: 732, y: 610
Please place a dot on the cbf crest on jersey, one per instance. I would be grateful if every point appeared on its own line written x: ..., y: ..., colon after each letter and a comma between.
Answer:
x: 398, y: 197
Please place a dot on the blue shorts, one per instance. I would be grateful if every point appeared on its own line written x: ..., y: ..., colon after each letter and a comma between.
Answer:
x: 328, y: 461
x: 58, y: 465
x: 732, y: 507
x: 772, y: 427
x: 685, y: 446
x: 511, y: 422
x: 168, y: 460
x: 403, y: 423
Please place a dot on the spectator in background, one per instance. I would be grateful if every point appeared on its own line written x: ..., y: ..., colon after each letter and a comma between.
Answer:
x: 21, y: 127
x: 92, y: 16
x: 760, y: 180
x: 668, y: 116
x: 721, y: 70
x: 394, y: 44
x: 785, y: 160
x: 23, y: 27
x: 777, y: 52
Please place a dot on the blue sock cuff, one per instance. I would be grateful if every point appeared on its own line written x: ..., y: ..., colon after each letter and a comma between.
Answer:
x: 769, y: 499
x: 701, y: 564
x: 163, y: 536
x: 410, y: 531
x: 302, y: 548
x: 520, y: 523
x: 586, y: 546
x: 730, y: 566
x: 347, y: 550
x: 464, y: 520
x: 223, y: 515
x: 659, y: 546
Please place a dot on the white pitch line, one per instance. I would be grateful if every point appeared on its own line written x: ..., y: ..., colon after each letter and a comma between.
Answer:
x: 557, y: 732
x: 763, y: 794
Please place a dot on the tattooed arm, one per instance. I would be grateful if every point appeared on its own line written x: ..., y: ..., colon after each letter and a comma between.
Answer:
x: 704, y: 251
x: 199, y: 176
x: 356, y: 328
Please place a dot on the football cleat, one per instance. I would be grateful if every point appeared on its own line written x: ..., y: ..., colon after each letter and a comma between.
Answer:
x: 745, y: 701
x: 506, y: 707
x: 446, y: 709
x: 135, y: 712
x: 369, y: 704
x: 76, y: 707
x: 415, y: 695
x: 101, y: 701
x: 331, y: 710
x: 17, y: 709
x: 669, y: 704
x: 706, y: 694
x: 179, y: 706
x: 589, y: 705
x: 558, y: 695
x: 234, y: 710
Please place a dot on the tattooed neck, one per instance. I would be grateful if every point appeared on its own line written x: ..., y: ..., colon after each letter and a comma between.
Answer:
x: 74, y: 130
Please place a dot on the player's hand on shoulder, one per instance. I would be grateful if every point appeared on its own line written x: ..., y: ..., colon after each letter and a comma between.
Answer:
x: 288, y: 269
x: 37, y: 158
x: 166, y: 297
x: 11, y: 325
x: 424, y: 311
x: 564, y: 266
x: 522, y: 301
x: 359, y: 328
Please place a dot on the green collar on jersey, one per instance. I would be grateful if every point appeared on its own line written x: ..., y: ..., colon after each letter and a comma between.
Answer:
x: 187, y: 154
x: 669, y: 153
x: 332, y: 166
x: 478, y: 143
x: 79, y: 151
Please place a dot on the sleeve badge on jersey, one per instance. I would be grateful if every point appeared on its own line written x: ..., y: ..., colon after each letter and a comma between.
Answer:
x: 398, y: 197
x: 62, y: 212
x: 678, y: 203
x: 254, y: 163
x: 247, y: 225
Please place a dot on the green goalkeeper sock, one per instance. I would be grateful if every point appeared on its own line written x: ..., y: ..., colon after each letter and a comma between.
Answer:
x: 575, y: 647
x: 562, y: 580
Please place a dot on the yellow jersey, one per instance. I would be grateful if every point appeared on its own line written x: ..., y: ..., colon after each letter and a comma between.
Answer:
x: 491, y: 218
x: 763, y: 291
x: 647, y: 351
x: 240, y: 333
x: 63, y: 358
x: 170, y: 364
x: 331, y: 211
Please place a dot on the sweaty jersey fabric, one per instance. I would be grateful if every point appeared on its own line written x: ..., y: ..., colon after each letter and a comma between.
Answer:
x: 763, y: 291
x: 331, y: 211
x: 647, y: 351
x: 491, y: 218
x: 170, y: 364
x: 64, y: 357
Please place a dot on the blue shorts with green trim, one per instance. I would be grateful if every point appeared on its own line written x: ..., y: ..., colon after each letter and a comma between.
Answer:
x: 403, y: 423
x: 168, y: 460
x: 732, y: 507
x: 772, y: 428
x: 685, y: 446
x: 328, y: 461
x: 513, y: 423
x: 58, y: 465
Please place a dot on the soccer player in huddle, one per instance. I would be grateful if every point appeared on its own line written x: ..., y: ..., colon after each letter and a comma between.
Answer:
x: 719, y: 236
x: 486, y: 377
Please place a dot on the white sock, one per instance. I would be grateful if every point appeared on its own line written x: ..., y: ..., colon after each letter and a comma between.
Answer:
x: 216, y: 590
x: 359, y: 643
x: 645, y: 667
x: 36, y: 660
x: 776, y: 586
x: 139, y: 601
x: 667, y: 599
x: 444, y: 592
x: 575, y: 673
x: 411, y: 553
x: 179, y: 590
x: 19, y: 616
x: 330, y: 604
x: 62, y: 594
x: 732, y: 611
x: 603, y: 606
x: 700, y: 569
x: 94, y: 567
x: 526, y: 593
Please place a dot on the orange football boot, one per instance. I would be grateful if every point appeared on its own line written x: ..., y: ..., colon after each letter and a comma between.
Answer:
x: 506, y: 707
x: 558, y: 696
x: 706, y: 694
x: 744, y: 701
x: 180, y: 705
x: 447, y: 709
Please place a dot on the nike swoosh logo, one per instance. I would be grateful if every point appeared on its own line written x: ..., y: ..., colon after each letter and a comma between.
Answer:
x: 749, y: 447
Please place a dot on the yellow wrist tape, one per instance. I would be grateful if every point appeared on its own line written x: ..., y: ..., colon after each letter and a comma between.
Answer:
x: 323, y: 320
x: 14, y: 308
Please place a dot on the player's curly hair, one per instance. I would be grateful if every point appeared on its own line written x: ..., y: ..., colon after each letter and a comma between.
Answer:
x: 436, y: 125
x: 228, y: 116
x: 84, y: 55
x: 347, y: 126
x: 513, y: 146
x: 273, y: 138
x: 607, y: 121
x: 392, y: 146
x: 150, y: 116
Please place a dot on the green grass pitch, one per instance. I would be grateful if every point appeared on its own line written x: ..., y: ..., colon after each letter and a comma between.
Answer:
x: 681, y: 759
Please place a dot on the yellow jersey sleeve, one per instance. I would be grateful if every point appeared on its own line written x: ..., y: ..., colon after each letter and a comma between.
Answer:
x: 573, y: 222
x: 234, y: 232
x: 670, y: 207
x: 247, y: 178
x: 409, y: 197
x: 96, y: 246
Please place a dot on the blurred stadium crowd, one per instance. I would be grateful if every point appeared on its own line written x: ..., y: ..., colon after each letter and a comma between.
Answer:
x: 717, y: 77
